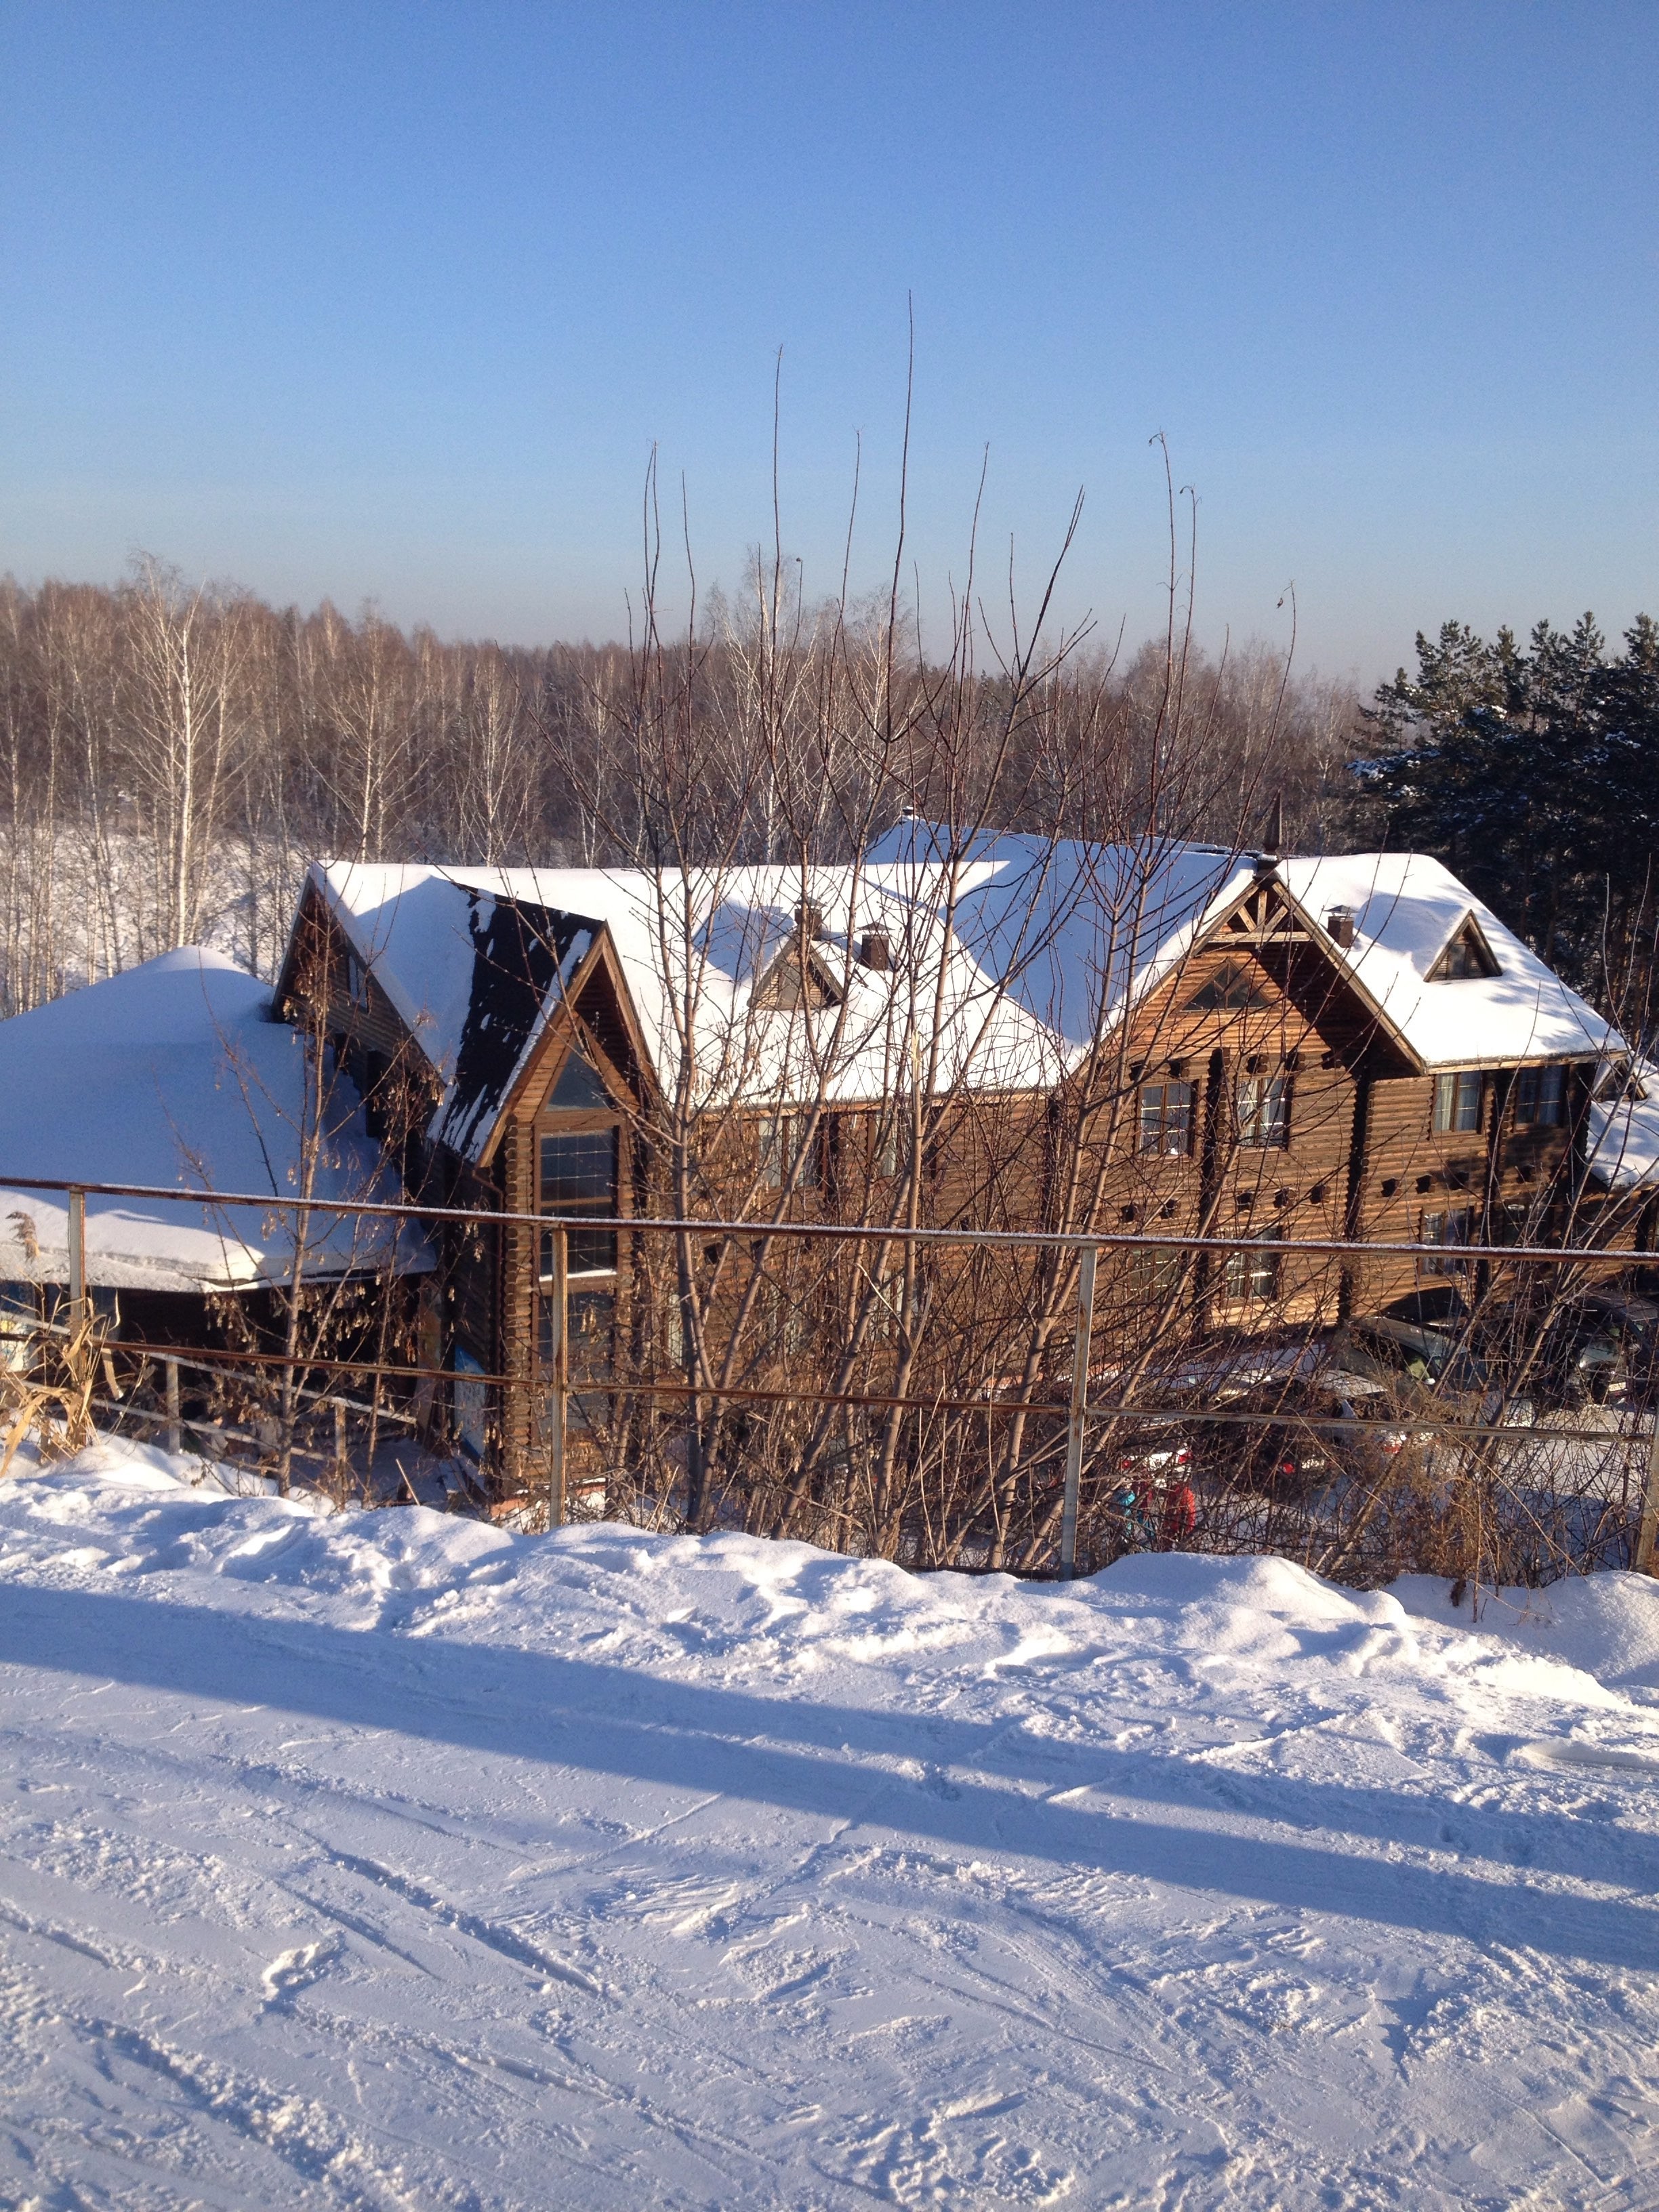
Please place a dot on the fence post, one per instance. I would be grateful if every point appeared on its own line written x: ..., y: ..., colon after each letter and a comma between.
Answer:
x: 77, y: 1258
x: 1648, y: 1531
x: 1085, y: 1321
x: 174, y: 1432
x: 560, y: 1303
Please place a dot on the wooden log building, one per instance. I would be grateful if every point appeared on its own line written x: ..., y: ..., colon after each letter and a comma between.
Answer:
x: 1246, y: 1045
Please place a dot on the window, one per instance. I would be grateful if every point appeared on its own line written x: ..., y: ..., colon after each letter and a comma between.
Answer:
x: 1518, y: 1224
x: 1153, y: 1272
x: 1166, y: 1119
x: 887, y: 1306
x: 579, y: 1088
x: 1252, y: 1274
x: 1233, y: 991
x: 579, y: 1175
x: 377, y: 1118
x: 781, y: 1139
x: 889, y: 1148
x: 591, y: 1316
x: 1457, y: 1102
x: 1540, y: 1097
x: 1467, y: 954
x: 1451, y: 1229
x: 356, y: 981
x: 1459, y: 960
x: 1263, y: 1103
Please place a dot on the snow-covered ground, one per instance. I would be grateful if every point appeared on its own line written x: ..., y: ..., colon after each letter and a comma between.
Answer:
x: 389, y: 1860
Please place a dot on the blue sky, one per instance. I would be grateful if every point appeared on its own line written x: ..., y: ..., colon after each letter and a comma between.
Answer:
x: 391, y: 302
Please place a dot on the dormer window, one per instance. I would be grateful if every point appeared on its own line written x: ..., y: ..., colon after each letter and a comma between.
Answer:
x: 1467, y: 954
x: 1620, y: 1085
x: 800, y: 976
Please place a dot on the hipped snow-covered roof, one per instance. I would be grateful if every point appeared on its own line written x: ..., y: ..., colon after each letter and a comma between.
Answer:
x: 1621, y: 1138
x: 174, y: 1073
x: 1015, y: 955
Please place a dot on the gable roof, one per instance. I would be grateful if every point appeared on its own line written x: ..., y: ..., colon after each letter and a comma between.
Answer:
x: 1113, y: 921
x: 1407, y: 909
x: 174, y: 1073
x: 456, y: 971
x: 1018, y: 954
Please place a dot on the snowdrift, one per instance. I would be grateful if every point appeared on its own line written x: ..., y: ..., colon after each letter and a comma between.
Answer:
x: 390, y: 1859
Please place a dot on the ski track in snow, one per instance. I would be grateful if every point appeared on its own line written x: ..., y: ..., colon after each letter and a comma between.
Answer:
x: 389, y: 1860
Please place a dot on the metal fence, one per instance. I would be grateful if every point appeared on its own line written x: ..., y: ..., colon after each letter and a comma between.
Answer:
x: 1130, y: 1425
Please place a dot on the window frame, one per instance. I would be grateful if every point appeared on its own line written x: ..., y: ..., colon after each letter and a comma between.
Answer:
x: 1451, y: 1087
x: 1181, y: 1121
x: 1265, y: 1124
x: 1541, y: 1084
x: 1153, y: 1272
x: 778, y: 1150
x: 599, y: 1255
x: 1252, y: 1274
x: 1431, y: 1229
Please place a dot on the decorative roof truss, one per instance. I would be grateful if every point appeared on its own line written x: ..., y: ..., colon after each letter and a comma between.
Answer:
x: 1265, y: 913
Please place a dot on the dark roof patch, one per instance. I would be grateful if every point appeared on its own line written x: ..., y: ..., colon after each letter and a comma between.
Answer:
x: 519, y: 951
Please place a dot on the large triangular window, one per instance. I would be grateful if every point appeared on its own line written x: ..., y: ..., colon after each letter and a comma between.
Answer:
x: 1231, y: 990
x: 1465, y: 954
x: 579, y: 1088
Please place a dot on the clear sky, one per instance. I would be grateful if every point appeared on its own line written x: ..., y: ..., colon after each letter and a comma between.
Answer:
x: 392, y: 302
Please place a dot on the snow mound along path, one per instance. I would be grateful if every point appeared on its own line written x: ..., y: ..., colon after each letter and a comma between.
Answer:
x: 391, y: 1860
x: 1606, y: 1624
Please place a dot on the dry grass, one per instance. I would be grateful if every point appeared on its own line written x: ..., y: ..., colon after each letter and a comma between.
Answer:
x: 53, y: 1402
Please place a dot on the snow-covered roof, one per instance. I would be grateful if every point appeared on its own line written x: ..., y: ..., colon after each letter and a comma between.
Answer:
x: 1407, y: 909
x: 433, y: 938
x: 1017, y: 952
x: 1621, y: 1139
x: 174, y: 1073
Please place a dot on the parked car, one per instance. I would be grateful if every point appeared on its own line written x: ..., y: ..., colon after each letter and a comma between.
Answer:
x: 1312, y: 1430
x: 1633, y: 1322
x: 1574, y: 1356
x: 1426, y: 1370
x: 1590, y: 1347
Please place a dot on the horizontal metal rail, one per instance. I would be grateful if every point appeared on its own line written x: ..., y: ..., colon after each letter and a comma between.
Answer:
x: 754, y: 1394
x: 1036, y: 1239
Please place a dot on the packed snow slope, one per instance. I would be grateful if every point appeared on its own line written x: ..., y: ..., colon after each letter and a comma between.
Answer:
x: 391, y: 1861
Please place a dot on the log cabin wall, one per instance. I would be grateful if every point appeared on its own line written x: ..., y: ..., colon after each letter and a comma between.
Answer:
x: 1255, y: 1093
x: 1243, y: 1123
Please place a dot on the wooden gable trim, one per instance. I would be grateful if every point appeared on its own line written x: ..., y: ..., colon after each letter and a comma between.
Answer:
x: 1270, y: 913
x: 567, y: 1029
x: 310, y: 902
x: 565, y: 1025
x: 1267, y: 911
x: 315, y: 908
x: 783, y: 975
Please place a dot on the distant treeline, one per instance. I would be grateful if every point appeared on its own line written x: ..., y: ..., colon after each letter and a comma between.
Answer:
x: 175, y: 755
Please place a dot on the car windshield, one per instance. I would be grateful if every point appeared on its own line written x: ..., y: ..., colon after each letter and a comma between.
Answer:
x: 1463, y: 1371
